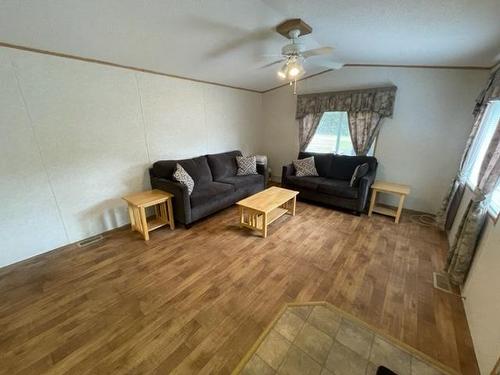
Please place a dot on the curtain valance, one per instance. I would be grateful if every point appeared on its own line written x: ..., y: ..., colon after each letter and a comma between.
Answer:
x: 378, y: 100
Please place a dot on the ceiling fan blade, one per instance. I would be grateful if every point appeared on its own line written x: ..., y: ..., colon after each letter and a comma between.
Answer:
x: 335, y: 65
x: 317, y: 52
x: 236, y: 38
x: 271, y: 64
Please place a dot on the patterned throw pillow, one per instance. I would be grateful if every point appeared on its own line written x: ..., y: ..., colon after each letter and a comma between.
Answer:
x: 246, y: 165
x: 183, y: 177
x: 360, y: 171
x: 305, y: 167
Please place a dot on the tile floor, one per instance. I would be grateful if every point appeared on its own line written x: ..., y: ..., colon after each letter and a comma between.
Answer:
x: 320, y: 339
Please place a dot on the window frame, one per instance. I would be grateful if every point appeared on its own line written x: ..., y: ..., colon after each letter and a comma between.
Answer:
x: 373, y: 148
x: 493, y: 210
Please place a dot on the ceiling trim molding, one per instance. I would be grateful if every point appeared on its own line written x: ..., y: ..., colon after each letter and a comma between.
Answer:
x: 115, y: 65
x: 143, y: 70
x: 302, y: 79
x: 464, y: 67
x: 387, y: 66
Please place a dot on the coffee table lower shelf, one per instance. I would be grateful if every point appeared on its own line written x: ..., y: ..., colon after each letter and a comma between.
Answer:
x: 257, y: 220
x: 262, y: 209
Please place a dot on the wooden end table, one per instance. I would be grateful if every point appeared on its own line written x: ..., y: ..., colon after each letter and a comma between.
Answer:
x: 261, y: 209
x: 137, y: 204
x: 388, y: 187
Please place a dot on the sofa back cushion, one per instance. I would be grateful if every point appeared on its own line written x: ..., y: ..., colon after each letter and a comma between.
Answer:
x: 224, y: 164
x: 321, y: 161
x: 343, y: 166
x: 197, y: 168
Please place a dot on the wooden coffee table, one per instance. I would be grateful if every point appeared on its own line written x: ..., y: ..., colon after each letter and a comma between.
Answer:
x: 261, y: 209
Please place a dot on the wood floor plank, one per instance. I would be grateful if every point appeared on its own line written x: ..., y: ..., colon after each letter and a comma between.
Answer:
x: 194, y: 301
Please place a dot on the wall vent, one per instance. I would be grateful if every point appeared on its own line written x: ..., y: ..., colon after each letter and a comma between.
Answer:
x: 442, y: 282
x: 90, y: 241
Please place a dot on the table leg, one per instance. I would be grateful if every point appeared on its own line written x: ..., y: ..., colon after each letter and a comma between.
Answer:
x: 264, y: 225
x: 144, y: 223
x: 241, y: 216
x: 137, y: 219
x: 372, y: 202
x: 293, y: 205
x: 131, y: 215
x: 400, y: 208
x: 170, y: 214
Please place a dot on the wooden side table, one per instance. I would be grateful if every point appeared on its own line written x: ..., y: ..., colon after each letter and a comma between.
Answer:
x: 388, y: 187
x: 137, y: 204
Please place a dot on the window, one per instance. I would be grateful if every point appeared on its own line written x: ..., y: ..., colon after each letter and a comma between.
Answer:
x: 333, y: 135
x: 495, y: 201
x: 478, y: 150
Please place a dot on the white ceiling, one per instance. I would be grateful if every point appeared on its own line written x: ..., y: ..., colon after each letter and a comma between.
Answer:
x: 225, y: 41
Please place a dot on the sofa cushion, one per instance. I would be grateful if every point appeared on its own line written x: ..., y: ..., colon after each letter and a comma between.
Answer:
x: 343, y: 166
x: 183, y: 177
x: 247, y: 165
x: 224, y: 164
x: 307, y: 182
x: 210, y: 191
x: 240, y: 182
x: 197, y: 168
x: 360, y: 171
x: 305, y: 167
x: 338, y: 188
x: 321, y: 161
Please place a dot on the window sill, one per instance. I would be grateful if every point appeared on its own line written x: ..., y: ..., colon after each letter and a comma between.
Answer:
x: 493, y: 216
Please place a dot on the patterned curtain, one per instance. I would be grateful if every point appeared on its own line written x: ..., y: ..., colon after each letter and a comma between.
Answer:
x: 462, y: 251
x: 366, y: 108
x: 363, y: 127
x: 307, y: 127
x: 443, y: 220
x: 490, y: 91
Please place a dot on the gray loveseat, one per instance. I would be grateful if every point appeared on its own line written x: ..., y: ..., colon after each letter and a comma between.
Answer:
x: 216, y: 185
x: 332, y: 185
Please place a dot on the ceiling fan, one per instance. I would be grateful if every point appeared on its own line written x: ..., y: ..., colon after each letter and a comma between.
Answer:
x: 294, y: 54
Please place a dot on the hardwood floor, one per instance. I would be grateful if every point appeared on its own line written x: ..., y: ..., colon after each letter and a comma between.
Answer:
x: 195, y: 300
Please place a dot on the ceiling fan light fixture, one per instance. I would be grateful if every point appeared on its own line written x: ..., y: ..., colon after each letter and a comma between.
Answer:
x: 295, y: 70
x: 291, y: 70
x: 294, y: 53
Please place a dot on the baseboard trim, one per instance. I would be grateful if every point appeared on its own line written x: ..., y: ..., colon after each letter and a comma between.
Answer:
x: 74, y: 245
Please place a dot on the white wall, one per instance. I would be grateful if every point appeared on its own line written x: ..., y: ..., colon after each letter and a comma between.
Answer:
x: 420, y: 146
x: 481, y: 290
x: 77, y: 136
x: 482, y: 298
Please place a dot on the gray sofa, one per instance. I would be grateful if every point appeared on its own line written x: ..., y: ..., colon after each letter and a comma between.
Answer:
x: 216, y: 185
x: 332, y: 185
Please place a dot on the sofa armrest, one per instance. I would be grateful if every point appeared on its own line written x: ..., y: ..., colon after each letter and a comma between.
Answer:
x: 262, y: 170
x: 181, y: 202
x: 288, y: 170
x: 365, y: 183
